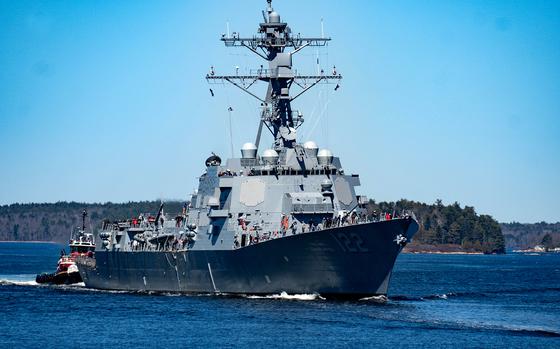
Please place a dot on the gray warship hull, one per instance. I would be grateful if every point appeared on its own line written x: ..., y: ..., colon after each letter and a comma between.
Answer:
x: 346, y: 262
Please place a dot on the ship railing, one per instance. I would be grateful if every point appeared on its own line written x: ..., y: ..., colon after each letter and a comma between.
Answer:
x: 171, y: 245
x: 66, y: 259
x: 257, y: 236
x: 127, y: 225
x: 249, y: 78
x: 264, y: 41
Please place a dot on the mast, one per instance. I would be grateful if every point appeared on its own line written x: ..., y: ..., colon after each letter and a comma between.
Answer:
x: 271, y: 44
x: 84, y: 215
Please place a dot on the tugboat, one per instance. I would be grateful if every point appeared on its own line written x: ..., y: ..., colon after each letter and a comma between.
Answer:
x: 284, y: 219
x: 81, y: 244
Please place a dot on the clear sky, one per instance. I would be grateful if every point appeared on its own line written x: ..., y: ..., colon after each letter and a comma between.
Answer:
x: 458, y: 100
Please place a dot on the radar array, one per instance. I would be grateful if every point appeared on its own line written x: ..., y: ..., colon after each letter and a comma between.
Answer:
x: 273, y: 39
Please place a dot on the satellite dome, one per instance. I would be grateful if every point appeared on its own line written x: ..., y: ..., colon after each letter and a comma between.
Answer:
x: 310, y: 145
x: 326, y: 185
x: 270, y: 157
x: 324, y: 157
x: 274, y: 17
x: 213, y: 160
x: 249, y: 151
x: 311, y: 148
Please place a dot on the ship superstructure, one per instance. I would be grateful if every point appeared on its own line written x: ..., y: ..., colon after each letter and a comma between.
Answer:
x: 282, y: 219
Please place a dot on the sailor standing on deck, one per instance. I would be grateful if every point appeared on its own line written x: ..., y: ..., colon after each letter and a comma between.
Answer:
x: 294, y: 227
x: 284, y: 224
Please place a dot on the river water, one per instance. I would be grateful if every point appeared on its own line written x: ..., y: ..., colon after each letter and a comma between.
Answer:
x: 434, y: 301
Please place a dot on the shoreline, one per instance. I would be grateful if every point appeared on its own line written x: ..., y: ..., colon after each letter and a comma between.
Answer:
x: 450, y: 249
x: 404, y: 252
x: 29, y: 242
x: 442, y: 252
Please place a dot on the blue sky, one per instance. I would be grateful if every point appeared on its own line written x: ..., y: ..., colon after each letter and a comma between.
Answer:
x: 458, y: 100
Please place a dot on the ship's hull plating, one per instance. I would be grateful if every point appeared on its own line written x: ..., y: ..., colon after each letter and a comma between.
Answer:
x: 351, y: 262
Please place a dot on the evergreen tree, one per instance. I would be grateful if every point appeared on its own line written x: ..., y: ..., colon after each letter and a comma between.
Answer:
x: 547, y: 242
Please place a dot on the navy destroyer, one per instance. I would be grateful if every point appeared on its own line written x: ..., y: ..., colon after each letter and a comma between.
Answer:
x: 282, y: 219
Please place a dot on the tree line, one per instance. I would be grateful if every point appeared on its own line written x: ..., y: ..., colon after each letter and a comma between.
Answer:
x: 449, y: 225
x: 439, y: 224
x: 525, y: 235
x: 55, y: 221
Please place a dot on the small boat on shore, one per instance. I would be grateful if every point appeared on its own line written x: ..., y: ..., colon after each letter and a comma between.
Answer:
x: 81, y: 244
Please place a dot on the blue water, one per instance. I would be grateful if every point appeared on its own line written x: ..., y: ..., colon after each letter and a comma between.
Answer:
x: 435, y: 300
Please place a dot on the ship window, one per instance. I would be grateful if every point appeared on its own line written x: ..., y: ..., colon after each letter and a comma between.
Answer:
x: 79, y: 249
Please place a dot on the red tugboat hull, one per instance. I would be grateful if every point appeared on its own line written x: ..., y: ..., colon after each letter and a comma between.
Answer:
x: 60, y: 278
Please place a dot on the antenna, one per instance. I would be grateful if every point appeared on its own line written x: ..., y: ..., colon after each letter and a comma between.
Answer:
x: 230, y: 109
x: 318, y: 65
x: 84, y: 215
x: 272, y: 43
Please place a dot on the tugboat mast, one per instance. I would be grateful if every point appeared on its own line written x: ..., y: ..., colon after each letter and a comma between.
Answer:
x: 84, y: 215
x: 270, y: 44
